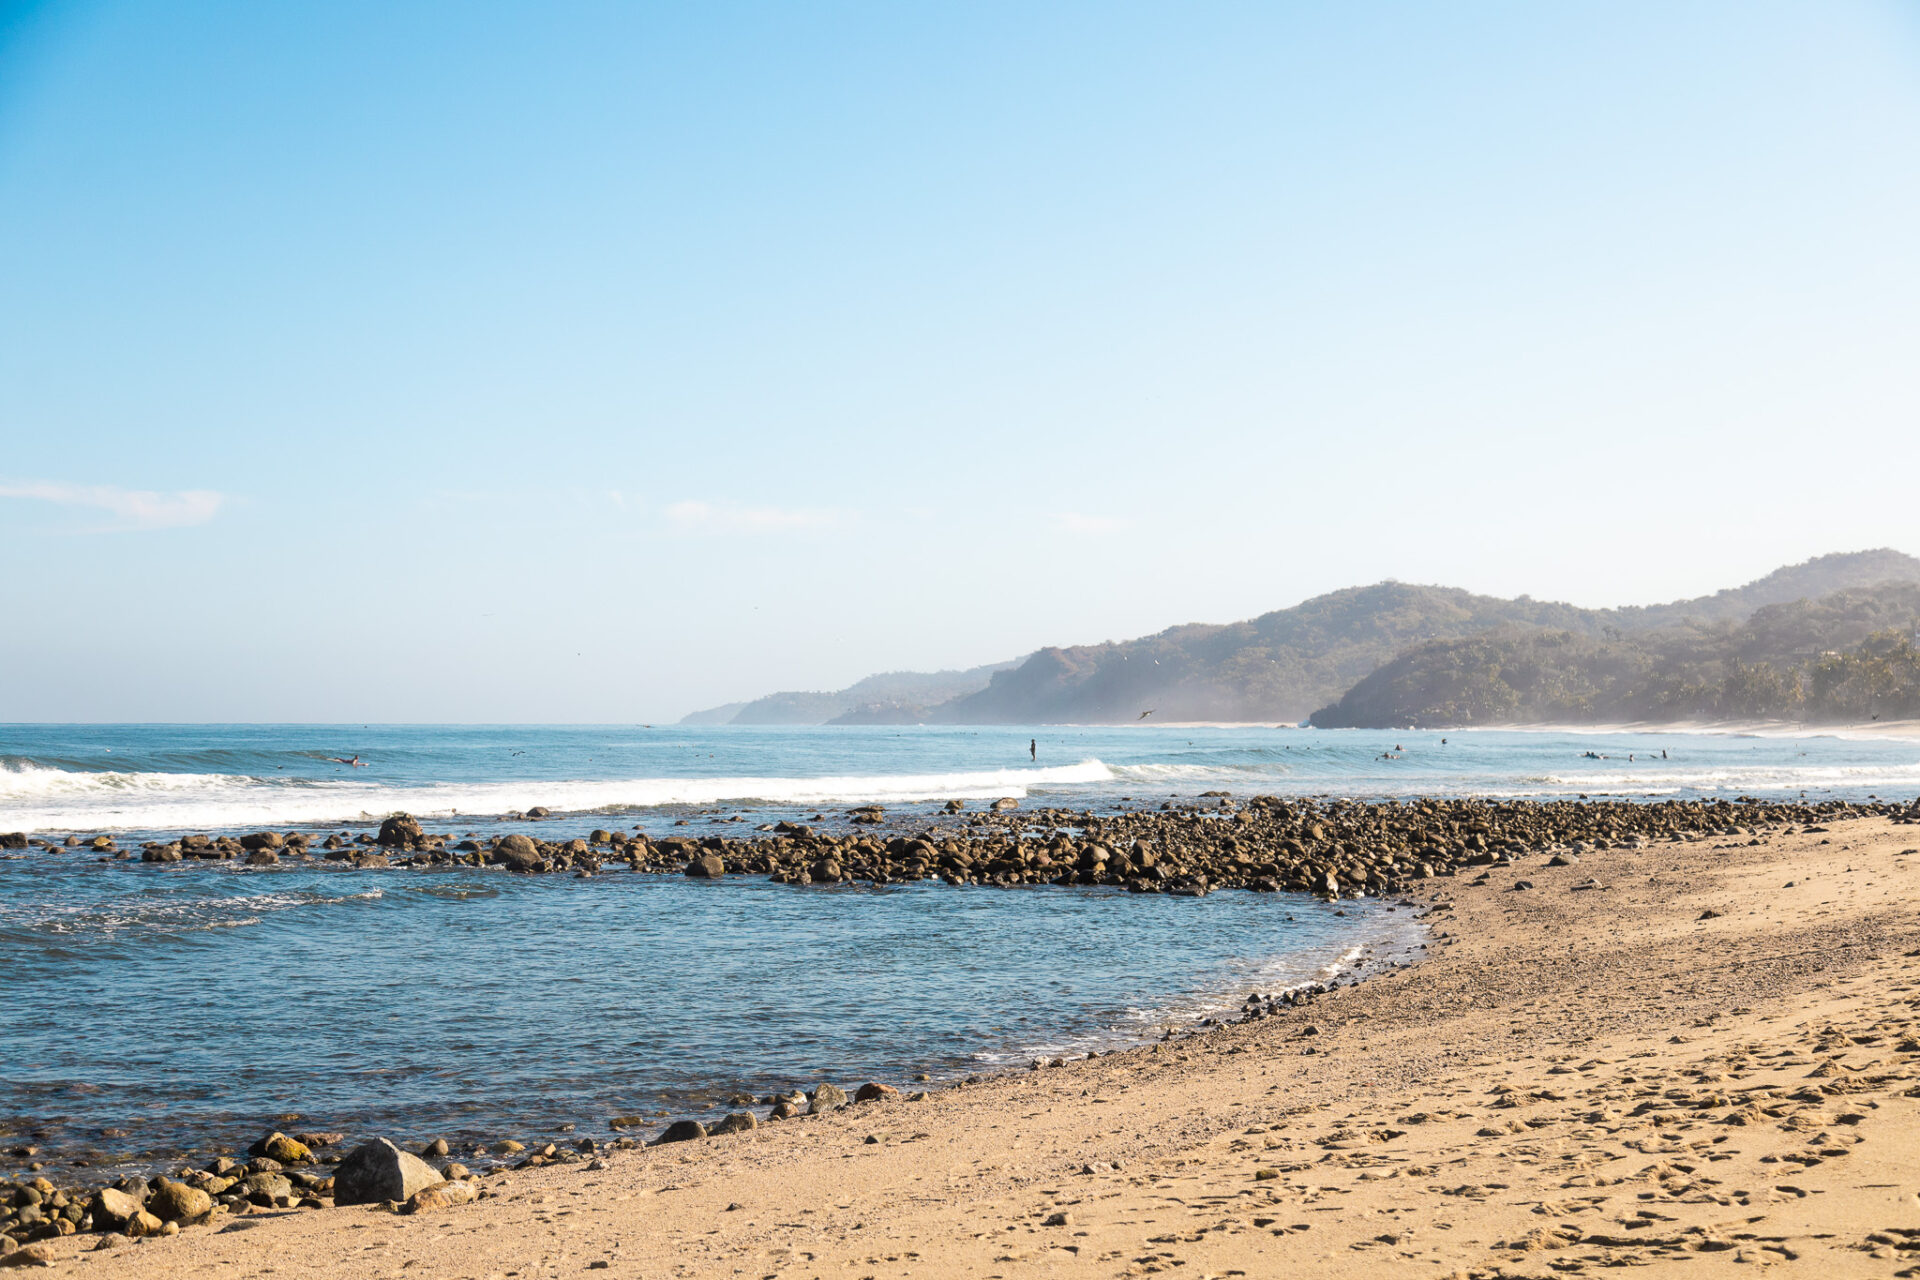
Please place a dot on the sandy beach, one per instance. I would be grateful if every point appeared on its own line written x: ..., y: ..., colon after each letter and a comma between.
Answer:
x: 1709, y: 1062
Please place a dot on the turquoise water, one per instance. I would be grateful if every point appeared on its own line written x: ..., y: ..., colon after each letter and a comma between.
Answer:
x: 153, y: 778
x: 157, y: 1009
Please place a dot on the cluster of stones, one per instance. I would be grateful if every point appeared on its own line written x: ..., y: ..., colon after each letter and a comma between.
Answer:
x: 278, y: 1172
x: 1333, y: 848
x: 283, y: 1171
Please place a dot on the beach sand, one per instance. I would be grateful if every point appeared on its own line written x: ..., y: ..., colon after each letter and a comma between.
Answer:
x: 1574, y: 1079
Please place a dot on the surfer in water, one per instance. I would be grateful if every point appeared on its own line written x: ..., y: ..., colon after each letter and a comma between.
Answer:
x: 1033, y: 749
x: 356, y: 762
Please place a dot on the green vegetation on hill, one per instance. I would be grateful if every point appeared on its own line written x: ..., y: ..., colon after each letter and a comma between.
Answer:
x: 1847, y: 657
x: 1279, y: 666
x: 1395, y: 653
x: 1282, y: 665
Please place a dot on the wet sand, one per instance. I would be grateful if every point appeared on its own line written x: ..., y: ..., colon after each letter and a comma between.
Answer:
x: 1575, y: 1079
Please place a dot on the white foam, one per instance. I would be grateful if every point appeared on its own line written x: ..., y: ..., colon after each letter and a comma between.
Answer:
x: 33, y: 798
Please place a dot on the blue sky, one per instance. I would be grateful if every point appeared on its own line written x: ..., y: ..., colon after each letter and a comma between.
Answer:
x: 602, y: 361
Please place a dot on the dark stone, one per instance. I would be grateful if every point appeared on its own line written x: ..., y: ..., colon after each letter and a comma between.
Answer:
x: 707, y: 866
x: 683, y: 1131
x: 518, y: 853
x: 401, y: 831
x: 378, y: 1171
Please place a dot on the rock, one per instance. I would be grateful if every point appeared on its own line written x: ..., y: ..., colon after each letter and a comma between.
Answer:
x: 707, y: 867
x: 738, y: 1122
x: 13, y: 840
x: 435, y: 1150
x: 875, y: 1092
x: 265, y: 1189
x: 262, y: 858
x: 178, y: 1202
x: 825, y: 1098
x: 508, y: 1147
x: 1520, y: 885
x: 442, y: 1195
x: 1563, y: 860
x: 112, y: 1208
x: 377, y: 1171
x: 518, y: 853
x: 1060, y: 1219
x: 160, y: 853
x: 683, y: 1131
x: 401, y: 831
x: 539, y: 811
x: 1005, y: 803
x: 34, y: 1255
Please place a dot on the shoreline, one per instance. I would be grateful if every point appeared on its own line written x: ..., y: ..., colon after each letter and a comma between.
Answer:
x: 1498, y: 926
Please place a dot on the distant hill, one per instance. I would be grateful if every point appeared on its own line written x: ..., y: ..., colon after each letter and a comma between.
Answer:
x: 1821, y: 576
x: 894, y: 697
x: 715, y: 715
x: 1279, y: 666
x: 1846, y: 657
x: 1284, y: 665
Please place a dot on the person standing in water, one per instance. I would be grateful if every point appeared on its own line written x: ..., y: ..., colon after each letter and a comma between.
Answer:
x: 1033, y: 749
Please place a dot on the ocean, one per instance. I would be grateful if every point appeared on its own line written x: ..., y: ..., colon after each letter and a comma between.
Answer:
x: 158, y: 1012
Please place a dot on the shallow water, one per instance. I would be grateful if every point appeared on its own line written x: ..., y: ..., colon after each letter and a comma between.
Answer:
x: 192, y: 1003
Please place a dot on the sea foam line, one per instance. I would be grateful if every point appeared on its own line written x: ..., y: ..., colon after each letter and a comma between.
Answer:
x: 38, y: 799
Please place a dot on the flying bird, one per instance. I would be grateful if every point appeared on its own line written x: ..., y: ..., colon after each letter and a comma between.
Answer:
x: 1145, y: 714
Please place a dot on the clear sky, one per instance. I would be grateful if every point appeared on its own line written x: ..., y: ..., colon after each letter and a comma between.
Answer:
x: 569, y: 361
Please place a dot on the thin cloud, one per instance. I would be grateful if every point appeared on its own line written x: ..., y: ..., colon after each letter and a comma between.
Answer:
x: 1076, y: 522
x: 707, y: 517
x: 133, y: 509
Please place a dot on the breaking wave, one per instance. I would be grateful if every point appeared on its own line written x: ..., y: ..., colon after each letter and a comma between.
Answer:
x: 33, y: 798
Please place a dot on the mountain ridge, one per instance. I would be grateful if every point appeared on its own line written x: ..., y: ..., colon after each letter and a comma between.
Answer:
x: 1290, y: 663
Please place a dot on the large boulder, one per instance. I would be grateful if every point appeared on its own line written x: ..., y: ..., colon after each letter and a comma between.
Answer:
x: 518, y: 853
x: 826, y: 1097
x: 683, y: 1131
x: 112, y: 1208
x: 401, y: 831
x: 707, y: 866
x: 378, y: 1171
x: 178, y: 1202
